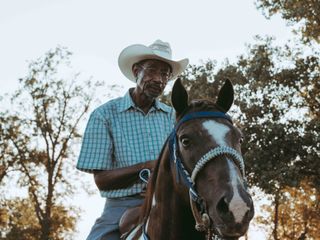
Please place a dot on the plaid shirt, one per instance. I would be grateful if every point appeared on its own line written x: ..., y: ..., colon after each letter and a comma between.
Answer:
x: 119, y: 134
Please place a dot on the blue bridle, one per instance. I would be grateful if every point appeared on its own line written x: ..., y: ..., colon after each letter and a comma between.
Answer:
x: 174, y: 153
x: 182, y: 173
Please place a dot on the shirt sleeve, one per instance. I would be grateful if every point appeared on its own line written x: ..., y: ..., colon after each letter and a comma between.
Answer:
x: 96, y: 150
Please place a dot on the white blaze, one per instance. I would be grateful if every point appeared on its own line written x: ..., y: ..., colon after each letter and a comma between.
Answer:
x: 237, y: 205
x: 147, y: 224
x: 217, y: 131
x: 154, y: 201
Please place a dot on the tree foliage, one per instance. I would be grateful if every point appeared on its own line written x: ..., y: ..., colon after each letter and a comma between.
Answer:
x: 36, y: 140
x: 273, y: 104
x: 277, y: 107
x: 298, y: 213
x: 306, y: 13
x: 19, y: 220
x: 7, y: 157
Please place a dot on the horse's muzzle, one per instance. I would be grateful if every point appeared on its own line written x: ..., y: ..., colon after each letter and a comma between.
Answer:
x: 234, y: 220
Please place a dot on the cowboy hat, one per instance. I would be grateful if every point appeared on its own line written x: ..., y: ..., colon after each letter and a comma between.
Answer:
x: 158, y: 50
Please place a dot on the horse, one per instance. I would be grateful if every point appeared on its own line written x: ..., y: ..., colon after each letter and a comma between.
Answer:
x: 198, y: 188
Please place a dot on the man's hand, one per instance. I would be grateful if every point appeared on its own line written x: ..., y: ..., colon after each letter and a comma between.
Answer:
x: 120, y: 177
x: 150, y: 165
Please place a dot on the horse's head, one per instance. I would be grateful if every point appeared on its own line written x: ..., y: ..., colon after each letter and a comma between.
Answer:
x: 208, y: 146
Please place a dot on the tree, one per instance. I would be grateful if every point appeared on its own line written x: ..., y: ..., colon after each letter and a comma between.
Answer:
x: 306, y: 13
x: 281, y: 149
x: 298, y: 212
x: 275, y: 110
x: 7, y: 158
x: 20, y: 220
x: 36, y: 140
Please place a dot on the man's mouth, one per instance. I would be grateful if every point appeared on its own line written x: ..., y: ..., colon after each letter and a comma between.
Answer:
x: 154, y: 87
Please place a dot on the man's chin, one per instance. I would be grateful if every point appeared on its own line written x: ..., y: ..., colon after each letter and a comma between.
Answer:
x: 153, y: 94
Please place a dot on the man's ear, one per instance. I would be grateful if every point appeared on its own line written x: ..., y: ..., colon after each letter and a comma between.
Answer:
x: 179, y: 97
x: 226, y: 96
x: 135, y: 70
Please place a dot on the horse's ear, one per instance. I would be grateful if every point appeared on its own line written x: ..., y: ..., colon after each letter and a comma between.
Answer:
x: 179, y: 97
x: 226, y: 96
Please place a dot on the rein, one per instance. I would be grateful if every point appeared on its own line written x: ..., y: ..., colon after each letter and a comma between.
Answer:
x: 196, y: 202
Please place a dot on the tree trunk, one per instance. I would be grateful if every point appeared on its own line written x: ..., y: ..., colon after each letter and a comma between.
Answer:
x: 46, y: 225
x: 45, y: 229
x: 276, y: 217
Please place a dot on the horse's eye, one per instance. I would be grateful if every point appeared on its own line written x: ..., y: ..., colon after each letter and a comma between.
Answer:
x: 241, y: 140
x: 185, y: 142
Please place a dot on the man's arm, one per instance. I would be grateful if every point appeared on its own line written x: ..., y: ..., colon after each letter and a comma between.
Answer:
x: 120, y: 177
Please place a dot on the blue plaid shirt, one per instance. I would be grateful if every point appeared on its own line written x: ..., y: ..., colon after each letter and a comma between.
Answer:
x: 119, y: 134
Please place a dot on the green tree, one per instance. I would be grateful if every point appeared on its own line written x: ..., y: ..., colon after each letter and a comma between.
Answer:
x: 7, y: 158
x: 305, y: 13
x: 281, y: 147
x: 36, y: 141
x: 276, y: 112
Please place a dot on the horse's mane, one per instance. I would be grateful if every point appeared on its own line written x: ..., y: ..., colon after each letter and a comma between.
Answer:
x: 146, y: 207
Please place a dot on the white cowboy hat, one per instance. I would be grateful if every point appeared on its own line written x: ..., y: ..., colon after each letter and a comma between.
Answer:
x: 157, y: 50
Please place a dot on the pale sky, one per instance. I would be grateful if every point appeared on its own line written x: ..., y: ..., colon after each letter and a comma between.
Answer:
x: 97, y: 30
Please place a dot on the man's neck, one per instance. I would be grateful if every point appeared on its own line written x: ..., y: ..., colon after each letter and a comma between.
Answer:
x: 141, y: 100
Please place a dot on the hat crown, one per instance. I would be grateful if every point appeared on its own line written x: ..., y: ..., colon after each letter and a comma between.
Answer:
x: 162, y: 49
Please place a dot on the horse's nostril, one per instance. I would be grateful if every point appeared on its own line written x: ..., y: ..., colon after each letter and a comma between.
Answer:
x: 223, y: 210
x: 246, y: 216
x: 222, y: 206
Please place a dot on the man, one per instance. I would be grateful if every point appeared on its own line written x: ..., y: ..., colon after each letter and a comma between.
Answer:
x: 125, y: 135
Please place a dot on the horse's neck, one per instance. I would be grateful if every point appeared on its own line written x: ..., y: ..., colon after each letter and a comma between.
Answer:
x: 169, y: 216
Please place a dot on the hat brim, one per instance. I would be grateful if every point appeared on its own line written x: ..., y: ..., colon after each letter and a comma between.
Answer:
x: 136, y: 53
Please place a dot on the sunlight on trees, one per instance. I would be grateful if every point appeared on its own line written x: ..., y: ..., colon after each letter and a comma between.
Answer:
x: 36, y: 140
x: 305, y: 14
x: 277, y: 108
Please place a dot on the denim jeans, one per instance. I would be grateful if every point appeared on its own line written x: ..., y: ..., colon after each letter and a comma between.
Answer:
x: 107, y: 225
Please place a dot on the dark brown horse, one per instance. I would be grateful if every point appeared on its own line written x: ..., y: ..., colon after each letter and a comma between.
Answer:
x: 198, y: 188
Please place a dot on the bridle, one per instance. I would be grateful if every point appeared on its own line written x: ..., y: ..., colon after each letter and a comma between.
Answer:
x: 197, y: 204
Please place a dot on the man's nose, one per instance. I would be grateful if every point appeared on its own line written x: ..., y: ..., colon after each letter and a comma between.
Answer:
x: 157, y: 78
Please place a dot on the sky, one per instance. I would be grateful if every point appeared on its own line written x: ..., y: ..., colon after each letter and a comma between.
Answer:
x: 97, y: 30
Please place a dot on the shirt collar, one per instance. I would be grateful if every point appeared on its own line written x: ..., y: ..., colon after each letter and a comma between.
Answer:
x: 126, y: 103
x: 161, y: 106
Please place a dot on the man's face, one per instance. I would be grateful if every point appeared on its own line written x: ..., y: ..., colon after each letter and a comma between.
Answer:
x: 152, y: 77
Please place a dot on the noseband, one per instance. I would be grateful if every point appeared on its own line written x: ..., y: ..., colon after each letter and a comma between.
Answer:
x: 202, y: 219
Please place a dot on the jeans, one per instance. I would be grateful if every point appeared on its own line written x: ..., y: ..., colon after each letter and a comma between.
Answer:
x: 107, y: 225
